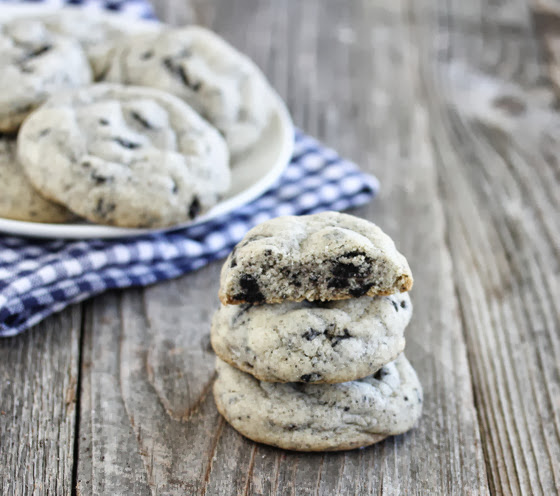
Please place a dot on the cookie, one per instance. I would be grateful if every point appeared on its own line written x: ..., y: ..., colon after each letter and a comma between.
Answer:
x: 222, y: 84
x: 321, y: 417
x: 326, y: 256
x: 35, y: 64
x: 18, y: 200
x: 314, y: 342
x: 95, y: 31
x: 124, y: 156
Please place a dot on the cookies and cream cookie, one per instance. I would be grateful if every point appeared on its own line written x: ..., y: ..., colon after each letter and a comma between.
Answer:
x: 321, y: 417
x: 35, y: 64
x: 314, y: 342
x: 95, y: 31
x: 124, y: 156
x: 18, y: 200
x: 198, y: 66
x: 326, y: 256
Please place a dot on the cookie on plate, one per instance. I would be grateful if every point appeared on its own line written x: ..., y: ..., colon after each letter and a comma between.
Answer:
x: 326, y: 256
x: 124, y: 156
x: 18, y: 200
x: 95, y: 31
x: 222, y: 84
x: 314, y: 342
x: 35, y: 64
x: 321, y: 417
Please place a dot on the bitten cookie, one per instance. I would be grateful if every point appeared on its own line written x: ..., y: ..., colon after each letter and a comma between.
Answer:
x: 321, y: 417
x: 35, y: 64
x: 222, y: 84
x: 18, y: 200
x: 326, y: 256
x: 313, y: 342
x: 125, y: 156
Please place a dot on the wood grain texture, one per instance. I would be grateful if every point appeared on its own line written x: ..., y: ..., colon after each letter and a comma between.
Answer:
x: 495, y: 129
x: 109, y: 459
x: 38, y: 392
x: 150, y: 422
x: 546, y: 16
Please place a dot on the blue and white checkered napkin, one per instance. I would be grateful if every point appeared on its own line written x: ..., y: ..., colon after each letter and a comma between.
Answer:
x: 38, y: 278
x: 130, y: 8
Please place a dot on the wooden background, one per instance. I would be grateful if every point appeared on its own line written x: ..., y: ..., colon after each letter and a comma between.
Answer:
x: 452, y: 105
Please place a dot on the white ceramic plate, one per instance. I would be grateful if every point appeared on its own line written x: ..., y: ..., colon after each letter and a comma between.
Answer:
x: 252, y: 174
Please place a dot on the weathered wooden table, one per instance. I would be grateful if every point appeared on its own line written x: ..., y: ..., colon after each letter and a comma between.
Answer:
x: 452, y: 105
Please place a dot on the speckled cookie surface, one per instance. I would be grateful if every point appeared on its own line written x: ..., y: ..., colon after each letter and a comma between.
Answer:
x: 125, y: 156
x: 222, y: 84
x: 321, y: 417
x: 326, y: 256
x: 35, y: 64
x: 314, y: 342
x: 94, y: 31
x: 18, y: 200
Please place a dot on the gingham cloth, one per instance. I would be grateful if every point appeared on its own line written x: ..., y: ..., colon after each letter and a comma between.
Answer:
x: 130, y: 8
x: 38, y: 278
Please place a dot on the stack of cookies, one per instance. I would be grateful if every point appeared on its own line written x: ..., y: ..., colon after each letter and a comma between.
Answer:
x: 311, y: 333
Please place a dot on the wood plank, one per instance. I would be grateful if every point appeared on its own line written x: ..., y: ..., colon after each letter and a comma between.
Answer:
x: 153, y: 419
x: 107, y: 450
x: 546, y: 16
x: 38, y: 392
x: 349, y: 74
x: 492, y: 125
